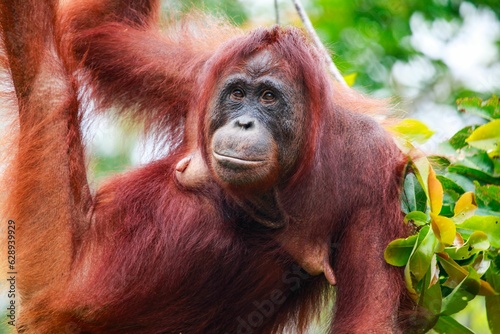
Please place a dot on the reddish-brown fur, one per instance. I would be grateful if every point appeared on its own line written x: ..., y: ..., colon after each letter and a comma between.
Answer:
x: 145, y: 255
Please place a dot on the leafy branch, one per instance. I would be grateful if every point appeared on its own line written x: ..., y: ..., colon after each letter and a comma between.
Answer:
x: 317, y: 42
x: 454, y: 255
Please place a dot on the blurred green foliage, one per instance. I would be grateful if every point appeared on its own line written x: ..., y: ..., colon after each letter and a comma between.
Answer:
x: 369, y: 36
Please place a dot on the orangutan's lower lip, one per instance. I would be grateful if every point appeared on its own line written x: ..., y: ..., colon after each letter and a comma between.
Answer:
x: 229, y: 161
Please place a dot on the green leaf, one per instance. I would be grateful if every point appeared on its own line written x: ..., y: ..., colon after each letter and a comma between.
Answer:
x: 409, y: 282
x: 482, y: 161
x: 448, y: 325
x: 458, y: 141
x: 486, y: 137
x: 496, y: 165
x: 409, y: 278
x: 464, y: 182
x: 420, y: 260
x: 398, y: 251
x: 412, y: 130
x: 489, y: 109
x: 430, y: 296
x: 477, y: 242
x: 452, y: 192
x: 489, y: 195
x: 439, y: 163
x: 449, y: 184
x: 487, y: 224
x: 417, y: 218
x: 456, y: 274
x: 493, y: 302
x: 474, y: 174
x: 413, y: 197
x: 493, y: 255
x: 492, y: 106
x: 464, y: 292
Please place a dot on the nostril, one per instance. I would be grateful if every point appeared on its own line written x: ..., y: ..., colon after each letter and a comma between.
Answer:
x: 245, y: 123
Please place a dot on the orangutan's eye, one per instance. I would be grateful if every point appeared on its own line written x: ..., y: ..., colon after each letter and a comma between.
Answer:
x: 268, y: 97
x: 237, y: 94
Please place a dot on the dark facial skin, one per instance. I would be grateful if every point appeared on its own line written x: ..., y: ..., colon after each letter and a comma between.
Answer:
x: 254, y: 126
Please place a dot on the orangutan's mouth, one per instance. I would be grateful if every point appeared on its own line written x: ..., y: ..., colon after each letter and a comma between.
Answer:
x: 232, y: 161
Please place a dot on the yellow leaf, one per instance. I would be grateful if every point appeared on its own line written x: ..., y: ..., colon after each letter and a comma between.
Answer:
x: 444, y: 229
x: 350, y: 79
x: 412, y: 130
x: 465, y: 207
x: 486, y: 137
x: 435, y: 192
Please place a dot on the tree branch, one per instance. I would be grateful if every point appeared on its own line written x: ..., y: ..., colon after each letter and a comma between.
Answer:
x: 277, y: 12
x: 310, y: 30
